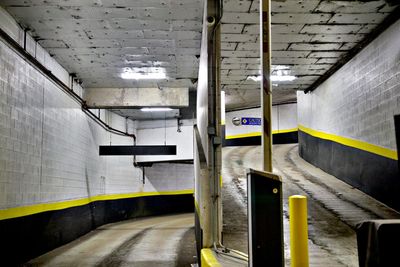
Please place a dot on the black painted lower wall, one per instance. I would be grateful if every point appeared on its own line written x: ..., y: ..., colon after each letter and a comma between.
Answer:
x: 278, y: 138
x: 27, y: 237
x: 375, y: 175
x: 198, y: 234
x: 244, y: 141
x: 285, y: 138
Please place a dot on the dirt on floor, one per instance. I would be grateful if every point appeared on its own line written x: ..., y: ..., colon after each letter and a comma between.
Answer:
x: 334, y: 207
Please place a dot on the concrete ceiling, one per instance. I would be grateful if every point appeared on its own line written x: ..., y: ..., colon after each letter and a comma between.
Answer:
x: 308, y: 38
x: 137, y: 114
x: 100, y: 39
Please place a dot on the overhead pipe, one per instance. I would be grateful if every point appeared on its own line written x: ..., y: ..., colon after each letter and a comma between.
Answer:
x: 46, y: 72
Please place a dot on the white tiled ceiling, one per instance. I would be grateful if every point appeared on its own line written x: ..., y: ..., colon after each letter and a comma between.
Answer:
x: 308, y: 37
x: 99, y: 39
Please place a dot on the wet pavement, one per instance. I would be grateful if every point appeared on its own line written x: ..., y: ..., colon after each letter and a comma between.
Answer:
x: 334, y: 207
x: 166, y: 241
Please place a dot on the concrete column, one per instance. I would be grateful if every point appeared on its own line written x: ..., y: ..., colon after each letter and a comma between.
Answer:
x: 136, y: 97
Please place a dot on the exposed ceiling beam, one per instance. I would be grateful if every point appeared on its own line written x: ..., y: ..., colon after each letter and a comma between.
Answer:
x: 136, y: 97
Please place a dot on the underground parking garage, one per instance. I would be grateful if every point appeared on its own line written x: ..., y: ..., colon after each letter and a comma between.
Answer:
x: 131, y: 132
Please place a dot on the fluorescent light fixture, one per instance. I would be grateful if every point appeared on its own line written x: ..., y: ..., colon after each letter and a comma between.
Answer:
x: 274, y: 78
x: 155, y: 109
x: 280, y: 67
x: 254, y: 78
x: 280, y: 74
x: 283, y: 78
x: 142, y: 76
x: 150, y: 73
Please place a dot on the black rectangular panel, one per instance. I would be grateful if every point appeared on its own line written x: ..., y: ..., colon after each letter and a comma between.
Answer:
x: 136, y: 150
x: 265, y: 219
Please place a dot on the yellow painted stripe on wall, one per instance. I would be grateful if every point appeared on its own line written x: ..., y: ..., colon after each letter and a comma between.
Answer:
x: 252, y: 134
x: 38, y: 208
x: 382, y: 151
x: 285, y: 131
x: 208, y: 258
x: 243, y: 135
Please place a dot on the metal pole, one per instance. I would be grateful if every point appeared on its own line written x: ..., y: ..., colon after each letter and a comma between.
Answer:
x: 266, y: 88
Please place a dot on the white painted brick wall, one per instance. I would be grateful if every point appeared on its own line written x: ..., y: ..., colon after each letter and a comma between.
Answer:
x: 360, y: 100
x: 176, y: 179
x: 11, y: 27
x: 283, y: 117
x: 49, y: 147
x: 167, y: 135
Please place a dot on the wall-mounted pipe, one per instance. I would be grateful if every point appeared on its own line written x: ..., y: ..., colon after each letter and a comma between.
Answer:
x: 46, y: 72
x: 25, y: 34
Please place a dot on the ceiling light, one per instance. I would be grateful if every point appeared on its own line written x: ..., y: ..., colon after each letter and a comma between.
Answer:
x: 280, y: 67
x: 254, y: 78
x: 142, y: 76
x: 143, y: 73
x: 283, y: 78
x: 155, y: 109
x: 274, y: 78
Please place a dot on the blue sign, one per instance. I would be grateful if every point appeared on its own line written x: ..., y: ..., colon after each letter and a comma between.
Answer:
x: 251, y: 121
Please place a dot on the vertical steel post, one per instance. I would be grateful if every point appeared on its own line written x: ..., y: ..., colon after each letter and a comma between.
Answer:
x: 266, y: 88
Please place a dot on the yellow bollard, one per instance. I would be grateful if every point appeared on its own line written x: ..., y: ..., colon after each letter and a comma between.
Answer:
x: 298, y: 231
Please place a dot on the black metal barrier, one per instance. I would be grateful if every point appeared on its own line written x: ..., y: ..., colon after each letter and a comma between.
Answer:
x: 377, y: 242
x: 265, y: 215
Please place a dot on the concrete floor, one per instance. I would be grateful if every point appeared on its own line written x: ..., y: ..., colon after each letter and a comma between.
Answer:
x: 166, y: 241
x: 334, y: 210
x: 334, y: 207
